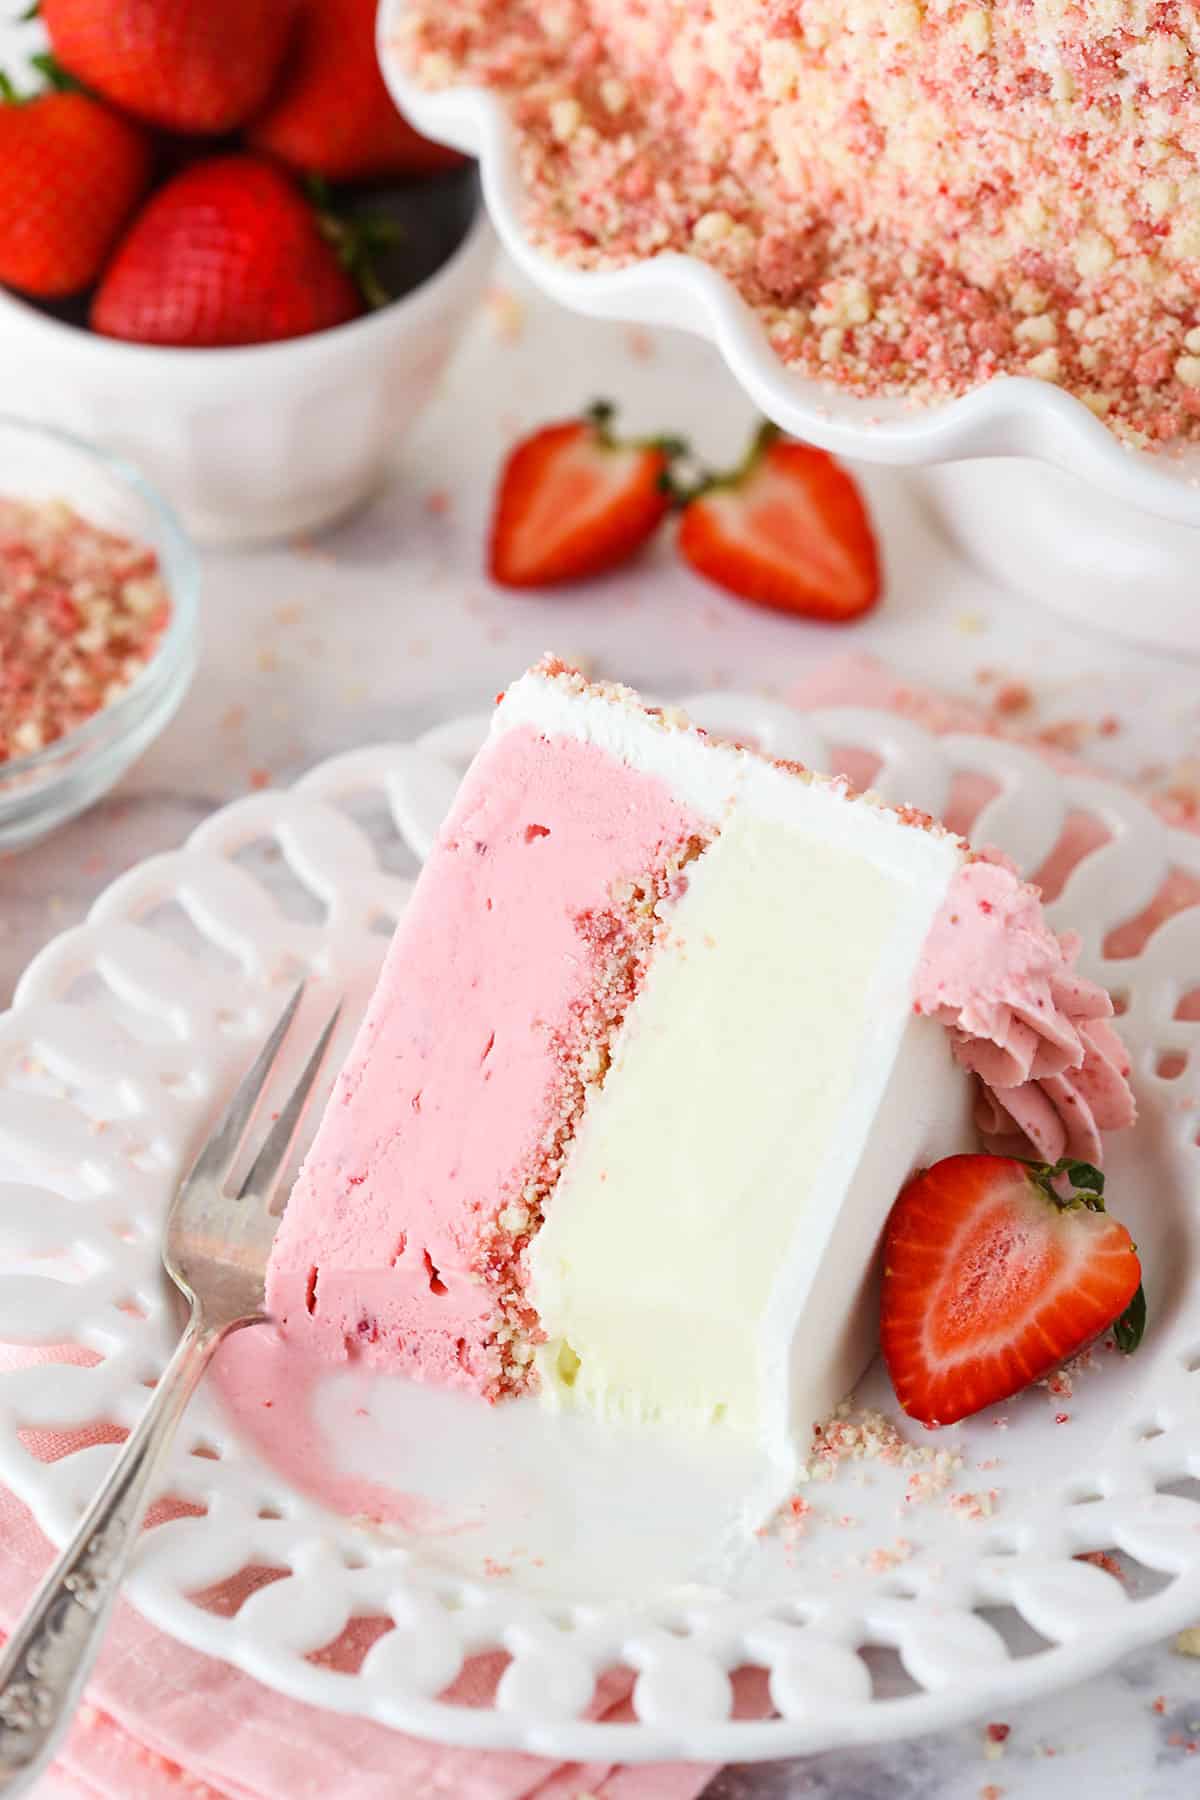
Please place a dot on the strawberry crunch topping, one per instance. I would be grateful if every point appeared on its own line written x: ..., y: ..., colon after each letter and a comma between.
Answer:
x: 914, y: 198
x: 81, y: 613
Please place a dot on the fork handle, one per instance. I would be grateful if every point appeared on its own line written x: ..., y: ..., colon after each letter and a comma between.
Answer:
x: 50, y: 1654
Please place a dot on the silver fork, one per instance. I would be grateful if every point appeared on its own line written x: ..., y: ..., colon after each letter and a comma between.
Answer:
x: 215, y: 1250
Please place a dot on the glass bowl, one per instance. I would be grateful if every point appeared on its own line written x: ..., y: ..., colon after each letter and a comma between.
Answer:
x: 44, y: 790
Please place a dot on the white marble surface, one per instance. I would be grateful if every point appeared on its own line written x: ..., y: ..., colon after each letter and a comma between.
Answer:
x: 387, y: 623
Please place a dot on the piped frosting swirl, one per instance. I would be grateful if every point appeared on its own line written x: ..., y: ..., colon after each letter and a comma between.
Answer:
x: 1053, y: 1071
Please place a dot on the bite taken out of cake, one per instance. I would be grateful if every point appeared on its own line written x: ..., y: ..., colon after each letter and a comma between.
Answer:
x: 663, y: 1032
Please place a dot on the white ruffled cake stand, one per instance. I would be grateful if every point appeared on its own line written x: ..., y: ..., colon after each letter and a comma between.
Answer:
x: 1023, y: 476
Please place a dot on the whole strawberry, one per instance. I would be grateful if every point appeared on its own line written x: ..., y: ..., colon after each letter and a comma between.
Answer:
x: 188, y: 65
x: 71, y: 173
x: 228, y: 252
x: 331, y: 113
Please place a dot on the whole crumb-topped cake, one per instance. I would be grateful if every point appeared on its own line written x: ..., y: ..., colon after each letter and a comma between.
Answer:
x: 916, y: 197
x: 664, y: 1030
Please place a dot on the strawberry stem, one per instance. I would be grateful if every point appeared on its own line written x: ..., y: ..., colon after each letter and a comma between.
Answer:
x: 712, y: 480
x: 1070, y: 1184
x: 356, y: 242
x: 600, y: 415
x: 57, y: 79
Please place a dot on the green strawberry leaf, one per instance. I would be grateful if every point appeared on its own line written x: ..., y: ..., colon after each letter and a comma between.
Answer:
x: 355, y: 242
x: 1082, y: 1175
x: 1130, y: 1327
x: 1085, y: 1181
x: 55, y: 80
x: 58, y: 80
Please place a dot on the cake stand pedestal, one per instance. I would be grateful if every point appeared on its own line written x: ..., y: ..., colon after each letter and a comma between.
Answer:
x: 1105, y: 564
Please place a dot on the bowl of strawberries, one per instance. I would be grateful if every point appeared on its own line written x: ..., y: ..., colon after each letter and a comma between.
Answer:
x: 223, y: 252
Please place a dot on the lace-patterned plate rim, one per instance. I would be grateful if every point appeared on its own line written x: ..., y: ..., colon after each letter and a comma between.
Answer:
x: 1012, y: 416
x: 822, y: 1641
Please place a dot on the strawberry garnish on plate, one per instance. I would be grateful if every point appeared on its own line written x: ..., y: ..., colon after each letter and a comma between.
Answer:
x: 575, y: 501
x: 71, y: 173
x: 227, y: 252
x: 330, y: 113
x: 786, y: 529
x: 188, y: 65
x: 995, y: 1272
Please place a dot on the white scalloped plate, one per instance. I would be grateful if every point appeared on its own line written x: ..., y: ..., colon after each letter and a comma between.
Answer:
x: 570, y: 1548
x: 1015, y: 416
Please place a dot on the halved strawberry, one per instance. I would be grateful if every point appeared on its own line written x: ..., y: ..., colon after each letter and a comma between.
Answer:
x: 574, y: 501
x: 995, y: 1272
x: 787, y: 529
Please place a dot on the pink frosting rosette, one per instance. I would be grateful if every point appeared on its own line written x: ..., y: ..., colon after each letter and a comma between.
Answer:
x: 1053, y: 1071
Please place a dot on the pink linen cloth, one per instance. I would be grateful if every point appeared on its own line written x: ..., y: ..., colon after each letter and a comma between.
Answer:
x: 163, y: 1722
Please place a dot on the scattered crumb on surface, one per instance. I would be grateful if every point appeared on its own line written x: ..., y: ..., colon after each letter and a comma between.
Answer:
x: 995, y: 1737
x: 973, y: 1506
x: 1187, y: 1643
x: 850, y: 1436
x: 1013, y: 698
x: 887, y: 1556
x: 1102, y: 1559
x: 304, y: 545
x: 1069, y: 735
x: 505, y: 313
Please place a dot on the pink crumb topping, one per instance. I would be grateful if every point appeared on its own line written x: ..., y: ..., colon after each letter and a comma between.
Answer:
x: 914, y: 199
x: 81, y: 613
x: 1054, y: 1072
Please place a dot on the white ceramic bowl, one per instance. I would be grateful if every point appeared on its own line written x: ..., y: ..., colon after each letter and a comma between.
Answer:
x: 1088, y: 509
x: 258, y: 442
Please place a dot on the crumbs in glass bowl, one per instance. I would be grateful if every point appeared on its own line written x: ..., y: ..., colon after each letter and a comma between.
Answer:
x: 81, y: 614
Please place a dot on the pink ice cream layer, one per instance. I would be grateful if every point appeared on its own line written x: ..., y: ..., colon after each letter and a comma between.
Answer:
x: 459, y: 1078
x: 1054, y: 1073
